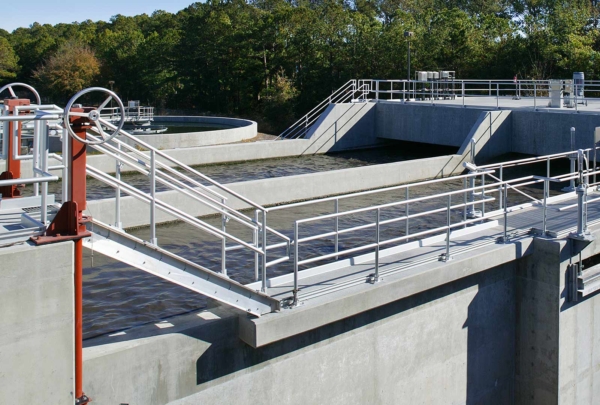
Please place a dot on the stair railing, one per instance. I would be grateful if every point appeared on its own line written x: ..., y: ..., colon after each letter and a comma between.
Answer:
x: 342, y: 95
x: 159, y: 167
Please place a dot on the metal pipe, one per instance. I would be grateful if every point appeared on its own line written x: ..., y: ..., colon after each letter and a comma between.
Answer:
x: 78, y: 281
x: 337, y: 223
x: 43, y: 154
x: 264, y: 255
x: 256, y: 244
x: 295, y: 291
x: 28, y: 180
x: 406, y: 213
x: 224, y: 243
x: 505, y: 239
x: 36, y: 155
x: 448, y: 223
x: 118, y: 164
x: 153, y: 239
x: 377, y: 247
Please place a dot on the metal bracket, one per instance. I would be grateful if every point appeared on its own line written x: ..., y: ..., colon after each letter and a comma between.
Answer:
x: 65, y: 226
x: 82, y: 400
x: 580, y: 241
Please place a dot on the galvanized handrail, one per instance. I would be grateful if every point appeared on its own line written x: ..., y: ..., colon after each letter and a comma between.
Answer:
x: 534, y: 90
x: 343, y: 94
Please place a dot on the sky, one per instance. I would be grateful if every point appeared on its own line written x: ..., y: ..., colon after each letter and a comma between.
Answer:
x: 15, y: 14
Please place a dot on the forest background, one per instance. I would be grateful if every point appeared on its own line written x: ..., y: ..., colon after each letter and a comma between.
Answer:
x: 273, y: 60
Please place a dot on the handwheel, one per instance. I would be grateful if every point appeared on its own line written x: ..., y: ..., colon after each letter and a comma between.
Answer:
x: 94, y: 116
x: 10, y: 86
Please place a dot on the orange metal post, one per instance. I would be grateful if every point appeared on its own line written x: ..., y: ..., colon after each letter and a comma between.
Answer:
x: 79, y: 395
x: 69, y: 224
x: 77, y: 185
x: 13, y: 166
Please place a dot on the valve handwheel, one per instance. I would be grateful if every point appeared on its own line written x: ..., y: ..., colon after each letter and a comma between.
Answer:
x: 94, y: 116
x: 10, y: 86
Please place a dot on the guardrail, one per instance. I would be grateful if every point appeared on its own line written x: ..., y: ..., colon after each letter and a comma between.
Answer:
x: 533, y: 93
x: 348, y: 92
x: 470, y: 201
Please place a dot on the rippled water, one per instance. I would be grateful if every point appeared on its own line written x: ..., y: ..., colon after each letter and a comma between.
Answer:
x: 117, y: 296
x: 262, y: 169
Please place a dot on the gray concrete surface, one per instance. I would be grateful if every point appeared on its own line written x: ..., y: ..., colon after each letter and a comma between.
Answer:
x: 395, y: 354
x: 234, y: 130
x: 519, y: 130
x: 480, y: 332
x: 422, y: 123
x: 344, y: 126
x: 280, y: 190
x: 37, y: 335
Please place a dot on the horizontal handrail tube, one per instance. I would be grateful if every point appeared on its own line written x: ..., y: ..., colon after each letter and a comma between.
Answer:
x: 392, y: 220
x: 277, y: 261
x: 389, y: 241
x: 28, y: 180
x: 188, y: 168
x: 404, y: 202
x: 380, y: 190
x: 126, y: 188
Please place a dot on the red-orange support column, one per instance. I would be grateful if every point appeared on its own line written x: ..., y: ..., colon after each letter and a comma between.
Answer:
x: 69, y: 224
x: 13, y: 166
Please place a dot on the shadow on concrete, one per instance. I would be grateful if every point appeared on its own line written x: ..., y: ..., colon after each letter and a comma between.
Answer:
x: 491, y: 344
x: 490, y: 323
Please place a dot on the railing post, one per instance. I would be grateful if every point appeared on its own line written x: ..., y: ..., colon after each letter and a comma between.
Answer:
x: 295, y: 291
x: 377, y: 245
x: 43, y: 144
x: 224, y: 241
x: 463, y: 92
x: 572, y: 159
x: 264, y: 247
x: 466, y: 201
x: 153, y: 239
x: 545, y: 220
x: 497, y: 95
x: 377, y: 90
x: 534, y: 96
x: 36, y: 153
x: 407, y: 232
x: 581, y: 198
x: 490, y: 88
x: 504, y: 193
x: 256, y: 244
x: 118, y: 164
x: 337, y: 224
x: 448, y: 223
x: 501, y: 197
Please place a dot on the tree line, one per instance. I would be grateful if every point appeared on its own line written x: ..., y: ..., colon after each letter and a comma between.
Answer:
x: 273, y: 60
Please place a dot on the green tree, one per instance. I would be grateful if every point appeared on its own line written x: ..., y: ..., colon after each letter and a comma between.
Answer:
x: 72, y: 68
x: 8, y: 61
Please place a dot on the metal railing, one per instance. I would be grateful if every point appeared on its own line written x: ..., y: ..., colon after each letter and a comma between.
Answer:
x: 531, y: 93
x: 160, y: 169
x: 349, y: 92
x: 132, y: 114
x: 475, y: 192
x: 45, y: 123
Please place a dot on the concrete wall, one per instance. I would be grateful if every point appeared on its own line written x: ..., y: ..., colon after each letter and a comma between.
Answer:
x: 37, y: 335
x: 520, y: 131
x: 491, y: 136
x: 426, y: 124
x: 234, y: 130
x: 543, y: 133
x: 344, y: 126
x: 280, y: 190
x: 452, y: 344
